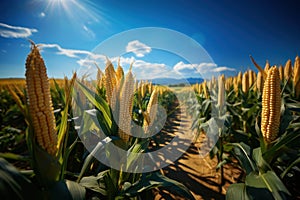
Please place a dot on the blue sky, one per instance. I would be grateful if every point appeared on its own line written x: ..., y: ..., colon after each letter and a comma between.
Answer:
x: 74, y: 34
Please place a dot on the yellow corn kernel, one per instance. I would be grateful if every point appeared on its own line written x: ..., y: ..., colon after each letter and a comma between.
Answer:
x: 126, y: 103
x: 151, y: 111
x: 296, y: 76
x: 281, y: 72
x: 245, y: 82
x: 221, y: 92
x: 110, y: 80
x: 296, y: 79
x: 235, y: 85
x: 39, y: 100
x: 239, y: 79
x: 119, y: 73
x: 288, y: 70
x: 204, y: 87
x: 271, y: 103
x: 260, y: 82
x: 250, y: 78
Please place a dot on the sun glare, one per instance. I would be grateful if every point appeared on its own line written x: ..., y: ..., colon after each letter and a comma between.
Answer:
x: 77, y: 11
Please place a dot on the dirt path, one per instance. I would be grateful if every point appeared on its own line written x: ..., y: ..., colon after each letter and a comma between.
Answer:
x: 197, y: 173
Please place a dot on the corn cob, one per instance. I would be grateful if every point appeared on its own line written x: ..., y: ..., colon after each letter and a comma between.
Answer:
x: 296, y: 70
x: 100, y: 76
x: 250, y: 78
x: 150, y: 87
x: 40, y: 103
x: 199, y: 88
x: 254, y: 78
x: 260, y: 82
x: 221, y: 92
x: 151, y: 111
x: 245, y: 82
x: 271, y: 103
x: 205, y: 89
x: 236, y: 85
x: 288, y: 70
x: 239, y: 80
x: 126, y: 102
x: 213, y: 82
x: 296, y: 79
x: 144, y: 89
x: 228, y: 83
x: 110, y: 80
x: 207, y: 84
x: 119, y: 73
x: 281, y: 72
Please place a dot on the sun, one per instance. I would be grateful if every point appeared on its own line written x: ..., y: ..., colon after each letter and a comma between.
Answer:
x: 74, y: 10
x: 54, y: 5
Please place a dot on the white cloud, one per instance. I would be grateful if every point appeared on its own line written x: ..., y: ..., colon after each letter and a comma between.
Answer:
x: 42, y: 15
x: 72, y: 53
x: 86, y: 62
x: 9, y: 31
x: 201, y: 68
x: 146, y: 70
x: 221, y: 69
x: 138, y: 48
x: 123, y: 61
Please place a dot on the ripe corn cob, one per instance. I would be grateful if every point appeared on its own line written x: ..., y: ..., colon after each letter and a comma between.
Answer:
x: 250, y: 78
x: 40, y: 103
x: 254, y: 78
x: 288, y: 70
x: 151, y: 111
x: 236, y: 85
x: 126, y: 103
x: 296, y: 74
x: 199, y: 88
x: 221, y: 92
x: 110, y: 80
x: 213, y: 82
x: 119, y: 73
x: 260, y: 82
x: 296, y: 79
x: 245, y: 82
x: 281, y: 72
x: 239, y: 78
x: 205, y: 89
x: 271, y: 103
x: 100, y: 76
x: 228, y: 83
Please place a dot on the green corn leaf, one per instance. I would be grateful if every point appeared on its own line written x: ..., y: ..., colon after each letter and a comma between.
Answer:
x: 237, y: 191
x: 266, y: 184
x: 155, y: 180
x: 98, y: 102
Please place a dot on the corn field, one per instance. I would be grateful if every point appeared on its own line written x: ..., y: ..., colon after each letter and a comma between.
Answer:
x: 261, y: 127
x: 46, y: 122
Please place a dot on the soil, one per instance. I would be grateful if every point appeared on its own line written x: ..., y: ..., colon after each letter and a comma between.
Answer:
x: 197, y: 173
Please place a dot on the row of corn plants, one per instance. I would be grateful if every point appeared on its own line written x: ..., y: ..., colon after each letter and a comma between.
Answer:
x: 260, y: 127
x: 61, y: 116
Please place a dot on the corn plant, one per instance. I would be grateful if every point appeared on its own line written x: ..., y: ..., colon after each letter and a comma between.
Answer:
x: 47, y: 149
x: 261, y: 180
x: 110, y: 122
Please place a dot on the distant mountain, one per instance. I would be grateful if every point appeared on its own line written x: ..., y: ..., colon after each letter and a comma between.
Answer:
x: 174, y: 81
